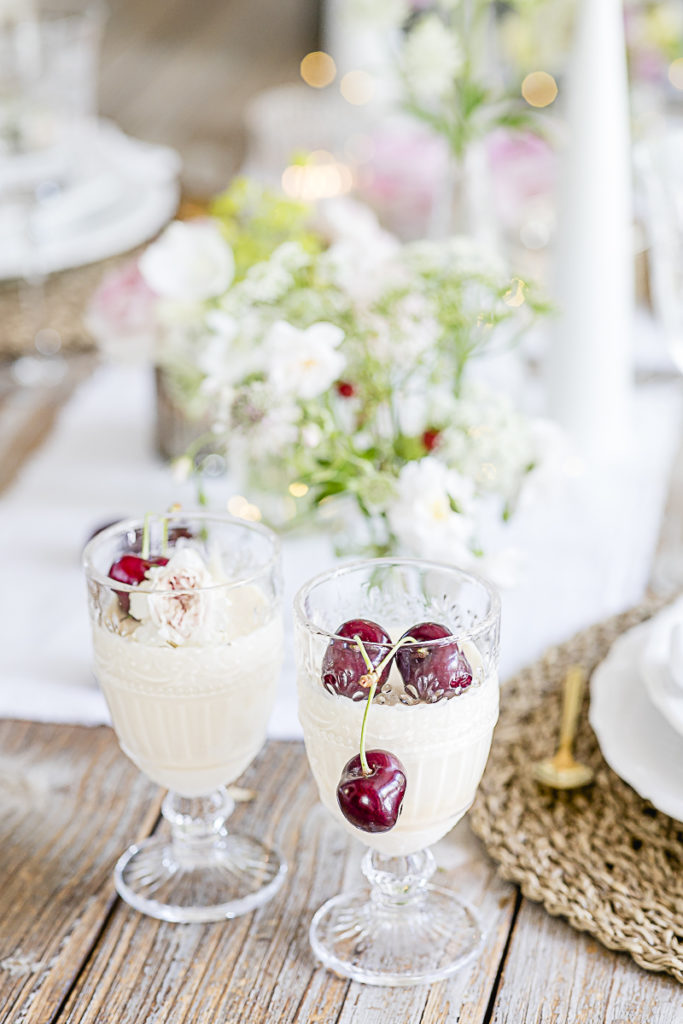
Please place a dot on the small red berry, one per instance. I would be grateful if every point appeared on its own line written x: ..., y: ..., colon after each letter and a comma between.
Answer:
x: 345, y: 389
x: 430, y: 439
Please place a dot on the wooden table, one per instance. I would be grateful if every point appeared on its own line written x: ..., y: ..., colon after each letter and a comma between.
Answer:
x: 71, y: 951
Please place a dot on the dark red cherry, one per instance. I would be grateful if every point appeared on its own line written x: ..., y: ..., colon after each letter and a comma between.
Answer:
x: 432, y: 673
x: 372, y: 802
x: 132, y: 569
x: 343, y: 664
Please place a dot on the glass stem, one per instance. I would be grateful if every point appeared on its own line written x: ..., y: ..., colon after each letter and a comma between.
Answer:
x: 197, y: 823
x: 398, y: 882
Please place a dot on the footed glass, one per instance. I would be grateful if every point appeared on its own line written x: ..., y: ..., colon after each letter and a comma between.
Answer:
x: 404, y: 930
x: 188, y: 660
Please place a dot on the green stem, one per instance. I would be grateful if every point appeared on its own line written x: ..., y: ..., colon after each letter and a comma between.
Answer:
x: 374, y: 675
x: 164, y: 536
x: 145, y: 535
x: 371, y: 696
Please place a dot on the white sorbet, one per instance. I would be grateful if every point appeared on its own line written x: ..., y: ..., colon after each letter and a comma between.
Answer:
x: 190, y: 689
x: 443, y: 748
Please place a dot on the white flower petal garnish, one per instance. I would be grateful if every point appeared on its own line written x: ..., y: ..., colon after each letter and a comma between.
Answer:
x: 173, y: 601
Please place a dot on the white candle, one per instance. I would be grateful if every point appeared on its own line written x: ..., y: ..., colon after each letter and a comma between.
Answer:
x: 590, y: 361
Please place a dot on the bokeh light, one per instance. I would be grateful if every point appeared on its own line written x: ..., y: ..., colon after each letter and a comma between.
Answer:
x: 357, y: 87
x: 242, y: 508
x: 318, y: 69
x: 322, y: 176
x: 539, y: 89
x: 676, y: 73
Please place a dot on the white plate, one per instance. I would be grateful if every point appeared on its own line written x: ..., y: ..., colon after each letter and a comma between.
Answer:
x: 655, y: 658
x: 122, y: 194
x: 636, y: 740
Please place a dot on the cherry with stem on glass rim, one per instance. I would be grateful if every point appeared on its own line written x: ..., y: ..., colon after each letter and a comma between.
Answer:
x: 345, y: 667
x: 432, y: 671
x: 372, y: 785
x: 132, y: 568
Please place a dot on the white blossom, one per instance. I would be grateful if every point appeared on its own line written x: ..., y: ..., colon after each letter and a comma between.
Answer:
x: 304, y: 362
x: 190, y: 262
x: 432, y: 513
x: 362, y: 257
x: 311, y: 435
x: 266, y: 282
x: 266, y: 421
x: 432, y: 57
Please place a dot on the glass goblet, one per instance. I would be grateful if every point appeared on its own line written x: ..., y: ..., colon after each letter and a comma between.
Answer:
x: 188, y: 659
x: 406, y: 931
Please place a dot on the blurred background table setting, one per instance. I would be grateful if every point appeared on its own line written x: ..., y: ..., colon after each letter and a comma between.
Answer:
x: 399, y: 278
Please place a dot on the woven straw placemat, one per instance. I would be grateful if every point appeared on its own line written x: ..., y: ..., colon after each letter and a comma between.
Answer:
x: 66, y: 296
x: 602, y: 857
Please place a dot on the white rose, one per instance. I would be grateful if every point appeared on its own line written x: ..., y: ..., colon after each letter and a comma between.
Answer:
x: 304, y: 363
x: 190, y: 262
x: 432, y: 57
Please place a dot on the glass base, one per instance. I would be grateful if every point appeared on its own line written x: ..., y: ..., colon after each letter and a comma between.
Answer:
x: 237, y: 876
x: 202, y: 872
x: 422, y: 936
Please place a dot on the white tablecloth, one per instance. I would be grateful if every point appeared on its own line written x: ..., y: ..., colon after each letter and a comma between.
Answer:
x: 589, y: 547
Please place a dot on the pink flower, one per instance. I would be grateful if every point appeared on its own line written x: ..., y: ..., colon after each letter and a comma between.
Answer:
x: 402, y: 174
x: 122, y: 314
x: 523, y: 168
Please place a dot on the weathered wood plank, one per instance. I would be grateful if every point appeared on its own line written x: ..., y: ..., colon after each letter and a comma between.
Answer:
x: 143, y: 970
x: 260, y: 968
x: 554, y: 974
x: 69, y: 804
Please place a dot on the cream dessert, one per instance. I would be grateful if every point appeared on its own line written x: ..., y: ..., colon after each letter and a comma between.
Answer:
x: 441, y: 745
x: 188, y: 665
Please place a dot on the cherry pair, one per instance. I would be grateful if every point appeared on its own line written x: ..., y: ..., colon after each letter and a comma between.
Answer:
x: 429, y: 671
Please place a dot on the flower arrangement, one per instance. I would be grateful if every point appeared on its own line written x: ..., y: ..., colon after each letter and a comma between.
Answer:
x: 337, y: 365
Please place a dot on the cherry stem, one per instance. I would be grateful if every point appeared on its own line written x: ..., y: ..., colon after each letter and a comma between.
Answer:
x: 145, y: 535
x: 374, y: 675
x: 173, y: 510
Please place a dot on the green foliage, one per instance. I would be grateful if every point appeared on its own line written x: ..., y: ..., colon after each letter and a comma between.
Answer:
x: 256, y: 220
